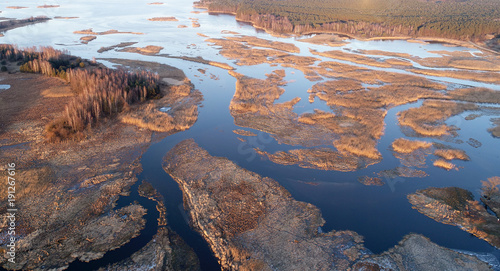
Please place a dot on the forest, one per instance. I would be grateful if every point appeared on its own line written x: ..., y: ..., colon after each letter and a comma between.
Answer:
x: 475, y: 20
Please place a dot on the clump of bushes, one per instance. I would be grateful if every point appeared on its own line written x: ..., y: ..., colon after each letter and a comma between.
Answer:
x: 102, y: 92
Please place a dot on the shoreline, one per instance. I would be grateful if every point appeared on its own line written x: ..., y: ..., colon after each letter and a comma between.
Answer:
x: 467, y: 44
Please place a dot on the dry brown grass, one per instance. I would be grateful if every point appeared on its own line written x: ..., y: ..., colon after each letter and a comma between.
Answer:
x: 450, y: 154
x: 476, y: 95
x: 463, y: 60
x: 120, y: 45
x: 398, y: 62
x: 444, y: 164
x: 363, y: 146
x: 253, y: 106
x: 350, y: 93
x: 87, y: 39
x: 402, y: 145
x: 246, y: 55
x: 318, y: 158
x: 57, y: 92
x: 254, y: 41
x: 415, y: 159
x: 325, y: 39
x: 220, y: 65
x: 485, y: 77
x: 183, y: 102
x: 331, y: 69
x: 244, y: 132
x: 365, y: 180
x: 360, y: 121
x: 355, y: 58
x: 149, y: 117
x: 402, y: 172
x: 148, y: 50
x: 428, y: 120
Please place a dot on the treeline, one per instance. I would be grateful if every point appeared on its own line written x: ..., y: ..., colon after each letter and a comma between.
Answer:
x: 102, y: 92
x: 464, y: 20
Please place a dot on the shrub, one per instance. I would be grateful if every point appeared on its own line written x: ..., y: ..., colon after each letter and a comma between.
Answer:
x: 3, y: 69
x: 82, y: 65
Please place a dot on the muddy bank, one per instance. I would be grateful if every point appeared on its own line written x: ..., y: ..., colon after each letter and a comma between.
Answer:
x: 253, y: 223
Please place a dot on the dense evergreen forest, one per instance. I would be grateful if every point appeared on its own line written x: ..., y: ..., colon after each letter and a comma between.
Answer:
x: 457, y: 19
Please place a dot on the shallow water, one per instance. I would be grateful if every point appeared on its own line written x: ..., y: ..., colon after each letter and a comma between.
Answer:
x: 382, y: 215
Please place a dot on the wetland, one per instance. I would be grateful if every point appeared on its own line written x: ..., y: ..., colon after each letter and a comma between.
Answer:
x: 244, y: 150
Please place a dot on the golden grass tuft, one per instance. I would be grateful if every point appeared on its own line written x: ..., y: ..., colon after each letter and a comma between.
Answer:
x: 444, y: 164
x: 359, y: 146
x: 429, y: 119
x: 450, y: 154
x: 402, y: 145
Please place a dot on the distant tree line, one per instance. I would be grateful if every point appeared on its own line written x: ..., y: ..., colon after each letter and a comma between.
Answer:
x: 464, y: 20
x: 102, y: 92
